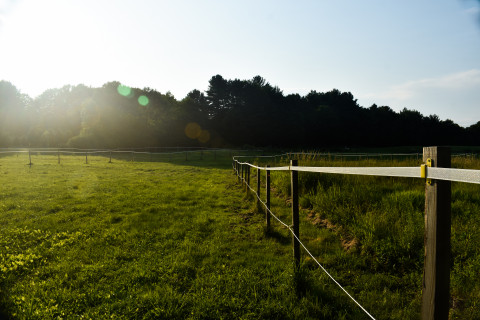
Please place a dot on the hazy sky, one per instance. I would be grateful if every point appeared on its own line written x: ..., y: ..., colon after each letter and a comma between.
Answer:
x: 418, y: 54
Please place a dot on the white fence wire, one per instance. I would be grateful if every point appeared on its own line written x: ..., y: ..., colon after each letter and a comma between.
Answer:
x: 306, y: 250
x: 449, y: 174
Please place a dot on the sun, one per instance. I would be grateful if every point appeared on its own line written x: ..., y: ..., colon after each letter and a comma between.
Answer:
x: 48, y: 44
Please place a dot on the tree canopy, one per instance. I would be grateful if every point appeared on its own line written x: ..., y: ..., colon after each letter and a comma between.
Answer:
x: 229, y: 113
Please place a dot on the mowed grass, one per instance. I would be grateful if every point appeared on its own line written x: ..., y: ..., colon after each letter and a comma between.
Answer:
x: 128, y: 240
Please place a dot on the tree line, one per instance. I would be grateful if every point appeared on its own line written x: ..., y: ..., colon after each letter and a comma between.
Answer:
x: 230, y: 113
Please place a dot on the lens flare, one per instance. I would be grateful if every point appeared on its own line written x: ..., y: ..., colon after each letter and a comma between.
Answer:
x: 124, y: 90
x: 204, y: 136
x: 143, y: 100
x: 193, y: 130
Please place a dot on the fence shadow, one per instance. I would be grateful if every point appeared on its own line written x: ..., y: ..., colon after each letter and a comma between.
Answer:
x: 277, y: 236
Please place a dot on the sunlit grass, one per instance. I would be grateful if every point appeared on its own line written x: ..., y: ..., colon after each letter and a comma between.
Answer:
x: 180, y: 240
x: 142, y: 240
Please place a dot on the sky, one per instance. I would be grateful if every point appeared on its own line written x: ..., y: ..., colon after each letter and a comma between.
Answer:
x: 415, y: 54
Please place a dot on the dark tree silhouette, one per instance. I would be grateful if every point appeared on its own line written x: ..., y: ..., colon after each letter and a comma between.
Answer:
x: 229, y: 113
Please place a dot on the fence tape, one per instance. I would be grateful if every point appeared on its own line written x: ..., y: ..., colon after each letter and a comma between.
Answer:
x: 448, y: 174
x: 407, y: 172
x: 460, y: 175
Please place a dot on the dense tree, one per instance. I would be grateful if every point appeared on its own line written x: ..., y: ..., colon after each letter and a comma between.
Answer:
x: 14, y: 114
x: 229, y: 113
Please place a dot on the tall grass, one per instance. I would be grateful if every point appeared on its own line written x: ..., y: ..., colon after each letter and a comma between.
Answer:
x: 380, y: 222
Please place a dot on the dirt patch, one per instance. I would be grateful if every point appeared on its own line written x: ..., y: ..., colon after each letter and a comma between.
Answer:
x: 348, y: 243
x: 318, y: 221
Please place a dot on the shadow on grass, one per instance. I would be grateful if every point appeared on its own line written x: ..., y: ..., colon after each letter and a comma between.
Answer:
x: 330, y: 303
x: 277, y: 236
x: 4, y: 315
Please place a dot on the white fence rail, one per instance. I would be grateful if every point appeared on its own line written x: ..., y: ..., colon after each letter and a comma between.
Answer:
x: 437, y: 174
x: 448, y: 174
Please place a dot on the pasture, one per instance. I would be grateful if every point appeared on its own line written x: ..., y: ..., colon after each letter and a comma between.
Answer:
x: 182, y: 240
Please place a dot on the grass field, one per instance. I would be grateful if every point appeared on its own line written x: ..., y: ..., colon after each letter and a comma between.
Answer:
x: 149, y: 240
x: 141, y: 241
x: 380, y: 222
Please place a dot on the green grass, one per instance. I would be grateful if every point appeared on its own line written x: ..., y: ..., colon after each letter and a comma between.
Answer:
x: 182, y: 240
x: 145, y: 240
x: 385, y: 218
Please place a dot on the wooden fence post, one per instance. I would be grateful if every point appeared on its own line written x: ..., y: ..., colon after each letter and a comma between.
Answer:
x: 245, y: 178
x: 295, y: 215
x: 29, y: 158
x: 242, y: 168
x: 238, y: 171
x: 436, y: 272
x: 267, y: 215
x: 258, y: 184
x: 110, y: 157
x: 86, y: 157
x: 245, y: 168
x: 58, y: 153
x: 244, y: 175
x: 241, y: 176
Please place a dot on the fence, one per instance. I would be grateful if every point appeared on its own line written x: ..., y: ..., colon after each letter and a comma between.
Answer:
x: 438, y: 175
x: 141, y: 155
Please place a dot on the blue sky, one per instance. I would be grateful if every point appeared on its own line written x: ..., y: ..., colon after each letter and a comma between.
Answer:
x: 422, y: 55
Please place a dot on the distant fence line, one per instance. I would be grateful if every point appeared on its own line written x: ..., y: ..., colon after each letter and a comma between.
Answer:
x: 188, y: 152
x: 174, y: 153
x: 350, y: 156
x: 437, y: 173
